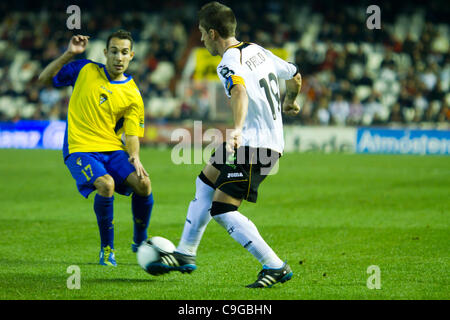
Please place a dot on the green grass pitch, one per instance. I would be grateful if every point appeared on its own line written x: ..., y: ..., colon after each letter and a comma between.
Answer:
x: 331, y: 216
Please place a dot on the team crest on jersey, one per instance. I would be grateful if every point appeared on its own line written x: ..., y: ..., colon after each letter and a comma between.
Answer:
x: 226, y: 72
x: 79, y: 161
x: 103, y: 98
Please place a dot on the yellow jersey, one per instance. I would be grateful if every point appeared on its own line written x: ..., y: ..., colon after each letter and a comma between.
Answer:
x: 100, y: 109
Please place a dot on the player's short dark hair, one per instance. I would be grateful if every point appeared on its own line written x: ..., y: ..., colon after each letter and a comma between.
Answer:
x: 219, y: 17
x: 121, y: 34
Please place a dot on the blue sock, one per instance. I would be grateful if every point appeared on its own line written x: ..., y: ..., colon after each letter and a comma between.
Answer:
x: 104, y: 210
x: 142, y: 211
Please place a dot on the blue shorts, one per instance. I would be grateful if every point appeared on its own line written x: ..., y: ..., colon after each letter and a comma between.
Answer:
x: 86, y: 167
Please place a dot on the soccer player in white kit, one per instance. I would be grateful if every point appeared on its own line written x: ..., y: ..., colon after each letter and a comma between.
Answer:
x: 250, y: 75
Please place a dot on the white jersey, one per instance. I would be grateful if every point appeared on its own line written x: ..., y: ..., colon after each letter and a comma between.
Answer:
x: 258, y: 70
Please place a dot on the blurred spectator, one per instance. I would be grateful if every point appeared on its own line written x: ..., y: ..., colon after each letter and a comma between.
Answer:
x: 201, y: 104
x: 444, y: 113
x: 330, y: 58
x: 396, y: 115
x: 339, y: 110
x: 322, y: 114
x: 356, y: 111
x: 373, y: 110
x: 306, y: 112
x: 365, y: 80
x: 420, y: 105
x: 405, y: 100
x: 437, y: 93
x: 429, y: 77
x: 49, y: 96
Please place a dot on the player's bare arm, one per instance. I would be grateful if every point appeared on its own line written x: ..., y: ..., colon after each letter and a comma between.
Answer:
x: 133, y: 147
x: 77, y: 45
x: 293, y: 87
x: 239, y: 106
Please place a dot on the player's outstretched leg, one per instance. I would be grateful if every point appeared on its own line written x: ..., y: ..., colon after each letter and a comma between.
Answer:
x: 197, y: 217
x: 244, y: 231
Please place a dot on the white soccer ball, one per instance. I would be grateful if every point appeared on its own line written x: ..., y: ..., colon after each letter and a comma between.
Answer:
x: 149, y: 250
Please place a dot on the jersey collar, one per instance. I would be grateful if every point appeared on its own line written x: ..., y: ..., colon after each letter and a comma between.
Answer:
x: 129, y: 77
x: 234, y: 46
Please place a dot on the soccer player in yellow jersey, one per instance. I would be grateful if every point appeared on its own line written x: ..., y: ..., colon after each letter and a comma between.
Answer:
x: 101, y: 144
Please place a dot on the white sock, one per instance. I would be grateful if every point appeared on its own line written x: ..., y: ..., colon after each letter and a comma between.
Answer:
x: 245, y: 232
x: 197, y: 219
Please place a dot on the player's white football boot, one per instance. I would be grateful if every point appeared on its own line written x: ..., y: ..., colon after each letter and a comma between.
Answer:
x: 268, y: 277
x: 172, y: 262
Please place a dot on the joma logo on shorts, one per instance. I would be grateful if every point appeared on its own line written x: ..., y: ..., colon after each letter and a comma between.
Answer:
x: 235, y: 175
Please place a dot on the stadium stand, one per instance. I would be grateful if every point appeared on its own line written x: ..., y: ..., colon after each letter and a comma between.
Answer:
x: 351, y: 75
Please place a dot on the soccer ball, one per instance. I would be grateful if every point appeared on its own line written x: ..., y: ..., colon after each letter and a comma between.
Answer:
x: 149, y: 250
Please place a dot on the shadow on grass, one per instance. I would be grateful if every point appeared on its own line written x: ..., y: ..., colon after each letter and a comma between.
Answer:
x: 120, y: 280
x: 56, y: 281
x: 55, y: 262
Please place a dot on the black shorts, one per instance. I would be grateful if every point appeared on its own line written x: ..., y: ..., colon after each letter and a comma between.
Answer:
x: 242, y: 172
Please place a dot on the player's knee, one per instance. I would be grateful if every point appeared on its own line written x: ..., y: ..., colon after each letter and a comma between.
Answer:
x: 105, y: 186
x: 221, y: 207
x: 143, y: 187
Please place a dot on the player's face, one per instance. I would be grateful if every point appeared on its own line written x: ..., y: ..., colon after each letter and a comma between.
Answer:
x: 208, y: 42
x: 118, y: 56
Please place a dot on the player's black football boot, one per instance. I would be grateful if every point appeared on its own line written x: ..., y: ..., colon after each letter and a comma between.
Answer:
x: 172, y: 262
x: 268, y: 277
